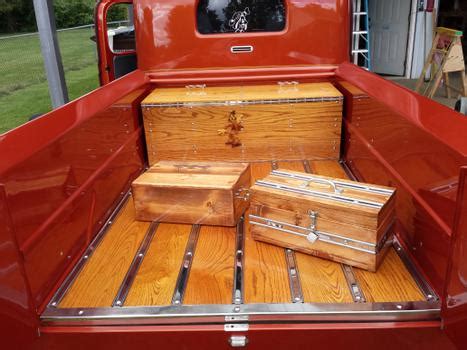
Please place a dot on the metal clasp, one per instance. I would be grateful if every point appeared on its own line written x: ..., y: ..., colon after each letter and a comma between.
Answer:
x: 288, y: 83
x: 238, y: 341
x: 287, y: 86
x: 197, y: 86
x: 196, y: 90
x: 243, y: 193
x: 312, y: 237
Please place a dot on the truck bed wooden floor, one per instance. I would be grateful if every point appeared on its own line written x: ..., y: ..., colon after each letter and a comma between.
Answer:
x: 143, y: 264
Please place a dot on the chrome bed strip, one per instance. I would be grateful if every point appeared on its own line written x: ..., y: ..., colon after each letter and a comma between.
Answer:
x: 195, y: 314
x: 237, y: 293
x: 185, y: 268
x: 294, y: 277
x: 426, y: 289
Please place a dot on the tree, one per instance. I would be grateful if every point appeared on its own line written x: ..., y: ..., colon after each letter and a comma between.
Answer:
x: 18, y: 15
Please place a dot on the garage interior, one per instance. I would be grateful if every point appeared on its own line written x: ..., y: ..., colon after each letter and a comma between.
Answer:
x: 401, y: 37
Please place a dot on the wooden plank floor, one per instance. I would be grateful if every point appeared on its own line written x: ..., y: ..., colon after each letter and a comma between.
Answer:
x: 266, y: 276
x: 211, y: 276
x: 155, y: 282
x: 101, y: 277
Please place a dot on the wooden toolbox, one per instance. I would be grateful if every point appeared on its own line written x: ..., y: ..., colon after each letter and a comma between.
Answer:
x: 341, y: 220
x: 193, y: 193
x: 250, y: 123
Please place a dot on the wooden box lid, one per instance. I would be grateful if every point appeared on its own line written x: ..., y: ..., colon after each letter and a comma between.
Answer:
x: 241, y: 93
x: 341, y: 200
x: 201, y: 175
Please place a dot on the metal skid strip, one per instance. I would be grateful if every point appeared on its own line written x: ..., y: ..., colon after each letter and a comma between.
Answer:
x: 294, y: 277
x: 237, y: 294
x: 134, y: 267
x: 426, y: 289
x: 182, y: 279
x: 202, y: 314
x: 57, y: 298
x: 319, y: 194
x: 246, y: 102
x: 354, y: 286
x: 292, y: 269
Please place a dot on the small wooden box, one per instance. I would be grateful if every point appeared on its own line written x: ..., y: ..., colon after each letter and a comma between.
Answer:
x: 209, y: 193
x: 340, y: 220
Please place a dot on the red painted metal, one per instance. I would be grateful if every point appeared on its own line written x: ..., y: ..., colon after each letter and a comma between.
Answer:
x: 105, y: 54
x: 455, y: 297
x: 18, y: 318
x: 438, y: 120
x: 55, y: 174
x: 317, y: 33
x: 65, y: 171
x: 278, y: 336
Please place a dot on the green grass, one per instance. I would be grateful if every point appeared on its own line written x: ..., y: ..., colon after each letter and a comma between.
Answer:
x: 23, y: 85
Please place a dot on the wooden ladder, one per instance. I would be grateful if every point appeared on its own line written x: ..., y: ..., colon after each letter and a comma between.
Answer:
x: 446, y: 56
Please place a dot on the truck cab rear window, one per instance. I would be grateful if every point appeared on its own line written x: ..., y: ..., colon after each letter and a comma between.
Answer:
x: 240, y: 16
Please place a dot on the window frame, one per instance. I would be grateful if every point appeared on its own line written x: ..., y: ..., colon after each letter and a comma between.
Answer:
x: 242, y: 34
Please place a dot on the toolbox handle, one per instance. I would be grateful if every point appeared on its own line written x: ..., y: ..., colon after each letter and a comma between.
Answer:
x: 322, y: 181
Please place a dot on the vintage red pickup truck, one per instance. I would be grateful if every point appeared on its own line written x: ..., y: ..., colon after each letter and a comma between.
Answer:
x: 78, y: 271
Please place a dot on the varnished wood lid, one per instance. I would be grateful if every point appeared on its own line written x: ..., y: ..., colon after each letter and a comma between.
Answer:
x: 202, y: 175
x: 242, y: 93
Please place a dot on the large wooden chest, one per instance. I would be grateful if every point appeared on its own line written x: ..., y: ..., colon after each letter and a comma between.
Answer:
x: 341, y: 220
x: 249, y: 123
x: 193, y: 193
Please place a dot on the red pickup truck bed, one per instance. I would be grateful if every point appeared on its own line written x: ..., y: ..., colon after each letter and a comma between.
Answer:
x: 70, y: 246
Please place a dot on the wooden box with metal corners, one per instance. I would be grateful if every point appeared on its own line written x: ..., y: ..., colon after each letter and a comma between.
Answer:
x: 193, y: 193
x: 244, y: 123
x: 340, y: 220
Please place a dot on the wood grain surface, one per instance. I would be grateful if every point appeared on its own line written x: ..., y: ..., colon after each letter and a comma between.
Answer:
x: 212, y: 271
x: 322, y: 280
x: 238, y: 93
x: 265, y: 272
x: 348, y: 208
x: 263, y: 132
x: 328, y: 168
x: 101, y: 277
x: 191, y: 193
x: 392, y: 282
x: 155, y: 282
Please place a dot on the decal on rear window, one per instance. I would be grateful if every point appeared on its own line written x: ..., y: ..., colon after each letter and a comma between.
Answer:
x: 240, y: 16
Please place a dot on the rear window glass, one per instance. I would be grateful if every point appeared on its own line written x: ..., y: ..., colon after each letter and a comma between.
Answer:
x: 240, y: 16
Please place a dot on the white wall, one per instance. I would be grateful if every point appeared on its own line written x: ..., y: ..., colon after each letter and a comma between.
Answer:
x: 421, y: 39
